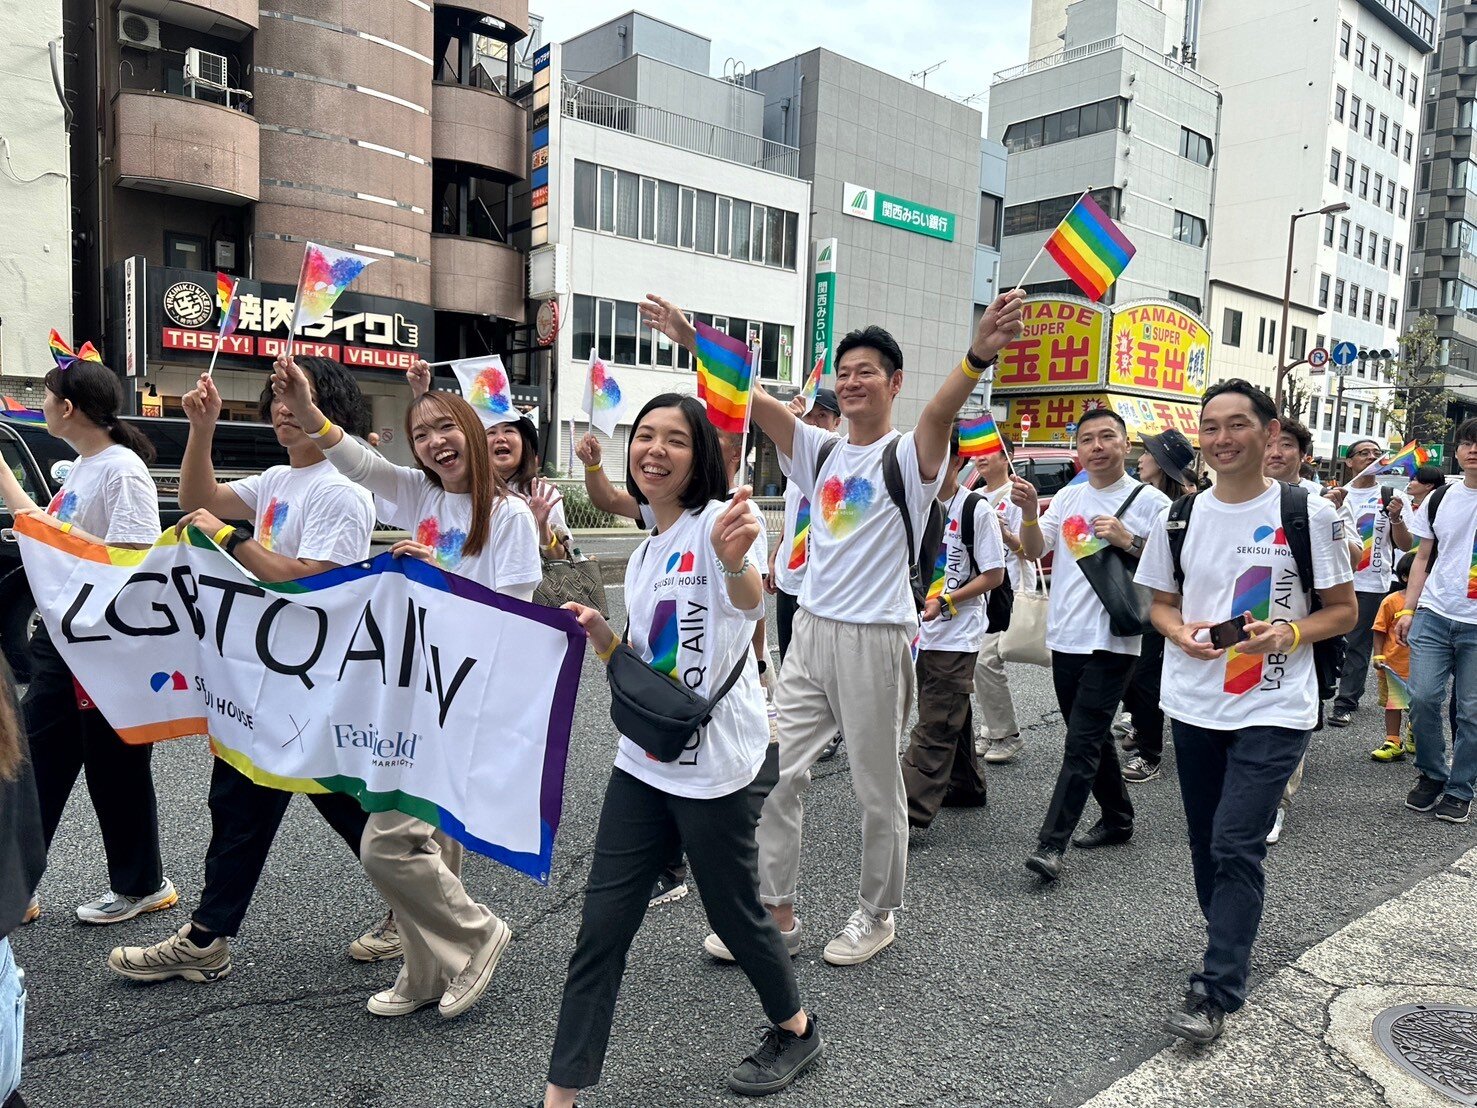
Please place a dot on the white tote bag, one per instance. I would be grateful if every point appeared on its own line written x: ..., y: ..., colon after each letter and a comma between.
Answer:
x: 1024, y: 640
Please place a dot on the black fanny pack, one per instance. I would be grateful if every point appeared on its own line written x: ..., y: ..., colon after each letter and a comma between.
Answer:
x: 655, y: 712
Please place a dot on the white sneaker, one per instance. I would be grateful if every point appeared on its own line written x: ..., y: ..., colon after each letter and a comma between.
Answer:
x: 390, y: 1003
x: 716, y: 947
x: 114, y: 908
x: 1003, y: 750
x: 1275, y: 835
x: 469, y: 985
x: 861, y: 939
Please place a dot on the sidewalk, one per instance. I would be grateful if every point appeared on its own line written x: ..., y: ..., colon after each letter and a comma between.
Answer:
x: 1305, y: 1037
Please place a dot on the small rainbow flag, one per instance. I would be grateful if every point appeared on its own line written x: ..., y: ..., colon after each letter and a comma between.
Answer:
x: 979, y: 437
x: 225, y: 298
x: 1409, y: 459
x: 1398, y: 690
x: 940, y: 567
x: 1089, y: 248
x: 813, y: 382
x: 325, y: 274
x: 64, y: 355
x: 800, y: 544
x: 14, y: 409
x: 725, y: 378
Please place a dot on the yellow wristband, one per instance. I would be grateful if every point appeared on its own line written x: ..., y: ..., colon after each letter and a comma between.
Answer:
x: 66, y: 528
x: 553, y: 543
x: 327, y: 426
x: 969, y: 370
x: 594, y: 468
x: 949, y: 603
x: 219, y: 538
x: 605, y: 655
x: 1030, y: 522
x: 1405, y: 612
x: 1297, y: 637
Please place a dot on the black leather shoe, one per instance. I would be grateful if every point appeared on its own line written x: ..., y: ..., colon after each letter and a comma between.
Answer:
x: 1045, y: 863
x: 1200, y: 1020
x: 1340, y: 717
x: 1100, y: 834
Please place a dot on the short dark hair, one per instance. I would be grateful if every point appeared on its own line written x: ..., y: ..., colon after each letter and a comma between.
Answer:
x: 336, y: 394
x: 1261, y: 403
x: 707, y: 480
x: 1434, y: 476
x: 1102, y: 413
x: 954, y: 440
x: 1466, y: 431
x: 1298, y: 430
x: 1403, y: 566
x: 875, y: 338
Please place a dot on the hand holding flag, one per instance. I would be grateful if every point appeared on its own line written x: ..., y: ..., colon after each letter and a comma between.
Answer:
x: 1089, y: 247
x: 485, y: 387
x: 230, y: 306
x: 325, y: 274
x: 813, y: 382
x: 725, y: 377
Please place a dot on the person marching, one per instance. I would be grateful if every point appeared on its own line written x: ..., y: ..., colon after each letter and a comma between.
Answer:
x: 464, y: 521
x: 998, y: 736
x: 1090, y: 666
x: 106, y: 497
x: 22, y: 861
x: 940, y: 766
x: 1391, y: 656
x: 849, y: 667
x: 306, y: 519
x: 693, y: 593
x: 1240, y: 717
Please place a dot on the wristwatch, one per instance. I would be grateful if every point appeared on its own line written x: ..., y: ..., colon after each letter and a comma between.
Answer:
x: 978, y: 363
x: 233, y: 540
x: 1136, y: 546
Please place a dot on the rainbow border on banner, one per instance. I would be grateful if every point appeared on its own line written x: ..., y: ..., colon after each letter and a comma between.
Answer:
x: 556, y: 742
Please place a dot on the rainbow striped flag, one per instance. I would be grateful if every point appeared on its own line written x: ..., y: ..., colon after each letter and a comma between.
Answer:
x: 1410, y: 458
x: 800, y: 544
x: 325, y: 274
x: 230, y: 306
x: 14, y: 409
x: 979, y: 437
x: 813, y: 382
x: 1398, y: 690
x: 1090, y: 248
x: 725, y: 379
x: 940, y: 566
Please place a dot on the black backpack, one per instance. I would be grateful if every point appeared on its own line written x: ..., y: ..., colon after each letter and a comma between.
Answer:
x: 1328, y: 655
x: 999, y: 601
x: 922, y: 553
x: 1435, y: 501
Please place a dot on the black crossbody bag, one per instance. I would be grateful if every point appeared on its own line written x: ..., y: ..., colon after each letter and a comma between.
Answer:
x: 1110, y: 573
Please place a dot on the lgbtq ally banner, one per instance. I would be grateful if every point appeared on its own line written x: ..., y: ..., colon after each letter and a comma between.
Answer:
x: 402, y: 685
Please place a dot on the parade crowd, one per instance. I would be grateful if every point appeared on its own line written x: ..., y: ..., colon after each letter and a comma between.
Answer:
x: 1246, y: 604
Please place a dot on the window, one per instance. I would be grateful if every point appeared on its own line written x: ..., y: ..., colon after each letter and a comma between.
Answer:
x: 1369, y: 121
x: 1404, y: 201
x: 1384, y: 129
x: 626, y: 326
x: 1393, y: 318
x: 1395, y: 139
x: 584, y: 319
x: 1419, y: 235
x: 1379, y: 309
x: 792, y: 245
x: 1339, y: 95
x: 1185, y: 299
x: 1464, y: 175
x: 1413, y: 83
x: 1323, y: 283
x: 1364, y: 182
x: 1334, y: 159
x: 1328, y: 225
x: 774, y: 236
x: 628, y: 205
x: 1349, y: 167
x: 1297, y: 339
x: 1338, y: 296
x: 607, y: 199
x: 1358, y: 51
x: 1399, y: 257
x: 1423, y: 176
x: 1194, y: 146
x: 756, y: 247
x: 1343, y: 236
x: 1353, y: 299
x: 687, y: 219
x: 1231, y: 328
x: 667, y: 213
x: 740, y: 243
x: 1374, y: 61
x: 1385, y: 255
x: 1379, y: 186
x: 1088, y: 119
x: 1345, y: 32
x: 725, y: 223
x: 1261, y: 334
x: 769, y: 351
x: 1354, y: 105
x: 1368, y: 302
x: 1312, y: 411
x: 1400, y: 81
x: 1389, y: 70
x: 648, y: 209
x: 605, y: 329
x: 1374, y: 241
x: 1358, y: 242
x: 1390, y: 194
x: 707, y: 219
x: 584, y: 195
x: 1328, y: 418
x: 1044, y: 215
x: 1189, y: 229
x: 989, y: 231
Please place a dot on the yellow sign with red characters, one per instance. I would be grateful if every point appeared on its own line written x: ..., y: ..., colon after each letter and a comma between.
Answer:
x: 1052, y: 415
x: 1158, y: 347
x: 1062, y: 345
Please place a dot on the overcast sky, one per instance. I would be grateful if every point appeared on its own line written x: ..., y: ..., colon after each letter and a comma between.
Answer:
x: 973, y: 38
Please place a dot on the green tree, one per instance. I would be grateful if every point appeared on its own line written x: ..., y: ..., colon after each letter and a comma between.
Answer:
x: 1416, y: 407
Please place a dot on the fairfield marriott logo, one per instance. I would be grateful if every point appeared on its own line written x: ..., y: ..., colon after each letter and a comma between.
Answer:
x: 386, y: 750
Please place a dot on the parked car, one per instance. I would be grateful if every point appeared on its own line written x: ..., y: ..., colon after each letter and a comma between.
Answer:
x: 1049, y: 468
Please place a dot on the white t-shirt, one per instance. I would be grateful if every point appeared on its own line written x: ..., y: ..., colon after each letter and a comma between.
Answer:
x: 1021, y: 569
x: 758, y: 550
x: 111, y: 496
x: 1236, y: 560
x: 1451, y: 587
x: 794, y: 549
x: 1313, y: 487
x: 684, y: 624
x: 1372, y: 529
x: 858, y: 547
x: 441, y: 520
x: 312, y: 512
x: 966, y: 631
x: 1076, y: 621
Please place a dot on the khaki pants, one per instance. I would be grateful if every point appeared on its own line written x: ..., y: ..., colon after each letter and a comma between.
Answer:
x: 940, y: 768
x: 858, y: 679
x: 416, y: 868
x: 996, y: 719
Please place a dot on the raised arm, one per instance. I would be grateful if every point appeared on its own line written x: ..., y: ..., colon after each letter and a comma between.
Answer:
x: 604, y: 495
x: 350, y: 457
x: 198, y: 487
x: 998, y: 327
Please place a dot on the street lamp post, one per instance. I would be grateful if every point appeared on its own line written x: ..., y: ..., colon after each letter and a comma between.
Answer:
x: 1282, y: 367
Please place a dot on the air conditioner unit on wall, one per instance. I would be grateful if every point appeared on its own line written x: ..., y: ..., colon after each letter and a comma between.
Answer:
x: 139, y: 31
x: 204, y: 70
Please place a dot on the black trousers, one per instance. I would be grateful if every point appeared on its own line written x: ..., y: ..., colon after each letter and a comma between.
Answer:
x: 66, y: 740
x: 244, y: 818
x: 638, y: 825
x: 1141, y: 698
x: 1361, y: 645
x: 1089, y: 688
x: 785, y: 606
x: 940, y: 767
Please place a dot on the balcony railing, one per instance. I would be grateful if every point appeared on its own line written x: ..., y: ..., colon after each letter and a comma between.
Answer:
x: 1102, y: 46
x: 605, y: 109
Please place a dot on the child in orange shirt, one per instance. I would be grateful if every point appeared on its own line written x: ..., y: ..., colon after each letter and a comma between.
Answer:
x: 1393, y: 655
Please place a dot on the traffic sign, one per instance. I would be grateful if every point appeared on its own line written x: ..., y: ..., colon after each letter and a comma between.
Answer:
x: 1345, y: 353
x: 1072, y: 428
x: 1317, y: 357
x: 1026, y: 422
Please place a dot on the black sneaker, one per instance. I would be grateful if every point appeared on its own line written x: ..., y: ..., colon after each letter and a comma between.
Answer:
x: 830, y: 749
x: 668, y: 889
x: 1100, y: 834
x: 1453, y: 810
x: 1426, y: 794
x: 781, y: 1057
x: 1045, y: 863
x: 1200, y: 1020
x: 1339, y: 717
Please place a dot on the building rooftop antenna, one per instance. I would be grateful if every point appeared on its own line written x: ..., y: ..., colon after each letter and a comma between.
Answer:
x: 922, y: 75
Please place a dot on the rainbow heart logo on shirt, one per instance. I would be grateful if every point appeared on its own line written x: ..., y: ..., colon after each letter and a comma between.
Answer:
x: 680, y: 562
x: 1080, y: 538
x: 63, y: 505
x: 273, y: 520
x: 663, y: 638
x: 845, y: 503
x: 445, y: 546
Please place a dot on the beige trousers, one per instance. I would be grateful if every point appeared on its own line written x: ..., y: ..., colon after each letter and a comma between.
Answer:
x: 858, y: 679
x: 996, y: 717
x: 416, y: 869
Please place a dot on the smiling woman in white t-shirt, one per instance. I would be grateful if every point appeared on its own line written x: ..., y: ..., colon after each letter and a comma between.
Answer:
x: 464, y: 521
x: 107, y: 497
x: 692, y: 593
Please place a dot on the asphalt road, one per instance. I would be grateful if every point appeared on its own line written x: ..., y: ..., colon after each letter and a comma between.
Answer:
x: 997, y: 993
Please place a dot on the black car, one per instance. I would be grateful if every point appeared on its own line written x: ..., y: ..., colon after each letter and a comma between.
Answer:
x: 41, y: 462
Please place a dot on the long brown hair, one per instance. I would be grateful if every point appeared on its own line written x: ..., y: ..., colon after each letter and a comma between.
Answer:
x: 487, y: 486
x: 95, y: 391
x: 10, y: 728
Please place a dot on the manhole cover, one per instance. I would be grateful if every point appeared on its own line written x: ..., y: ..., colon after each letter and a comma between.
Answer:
x: 1435, y: 1043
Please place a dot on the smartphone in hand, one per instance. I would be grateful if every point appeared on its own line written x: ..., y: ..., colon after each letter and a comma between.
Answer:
x: 1225, y: 635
